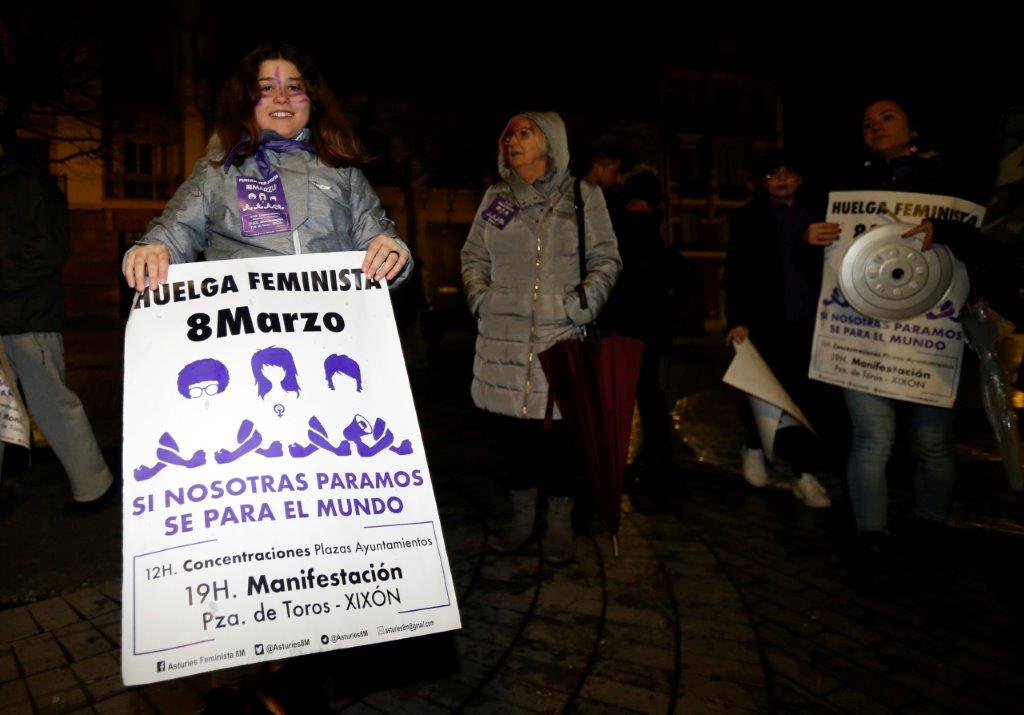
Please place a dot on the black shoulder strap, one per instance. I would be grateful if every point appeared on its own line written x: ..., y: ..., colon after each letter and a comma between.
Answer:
x: 581, y: 233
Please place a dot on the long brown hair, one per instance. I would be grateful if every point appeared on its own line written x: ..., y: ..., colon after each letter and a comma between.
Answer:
x: 330, y: 128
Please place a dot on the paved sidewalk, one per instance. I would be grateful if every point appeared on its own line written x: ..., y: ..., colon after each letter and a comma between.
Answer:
x: 725, y: 599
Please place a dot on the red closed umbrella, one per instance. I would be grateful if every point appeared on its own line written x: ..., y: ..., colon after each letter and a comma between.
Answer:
x: 593, y: 382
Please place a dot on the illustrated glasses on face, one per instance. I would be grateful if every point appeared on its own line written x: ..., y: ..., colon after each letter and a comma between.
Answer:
x: 199, y: 391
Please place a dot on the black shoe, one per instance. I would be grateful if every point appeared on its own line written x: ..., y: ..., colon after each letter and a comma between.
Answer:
x: 872, y: 560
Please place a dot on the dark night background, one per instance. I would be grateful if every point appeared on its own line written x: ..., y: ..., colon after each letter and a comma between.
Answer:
x: 451, y: 90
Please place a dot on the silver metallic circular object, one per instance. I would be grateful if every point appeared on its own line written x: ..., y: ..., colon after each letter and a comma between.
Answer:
x: 889, y: 277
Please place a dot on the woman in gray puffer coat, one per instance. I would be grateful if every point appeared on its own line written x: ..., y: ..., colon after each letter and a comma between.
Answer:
x: 520, y: 267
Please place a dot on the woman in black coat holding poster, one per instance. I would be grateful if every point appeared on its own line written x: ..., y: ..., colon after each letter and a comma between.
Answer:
x: 897, y: 164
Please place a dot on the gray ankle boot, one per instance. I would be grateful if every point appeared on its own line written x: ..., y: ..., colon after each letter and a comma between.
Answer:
x: 558, y: 543
x: 512, y: 535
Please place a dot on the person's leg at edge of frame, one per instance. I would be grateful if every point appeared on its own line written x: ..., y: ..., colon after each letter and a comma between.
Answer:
x: 37, y: 359
x: 874, y: 431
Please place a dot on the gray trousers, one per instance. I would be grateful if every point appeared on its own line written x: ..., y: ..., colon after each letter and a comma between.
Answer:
x: 37, y: 360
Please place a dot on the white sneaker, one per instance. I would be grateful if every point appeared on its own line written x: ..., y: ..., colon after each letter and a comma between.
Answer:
x: 809, y: 490
x: 754, y: 469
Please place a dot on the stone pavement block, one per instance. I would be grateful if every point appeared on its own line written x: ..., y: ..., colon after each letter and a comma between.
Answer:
x: 567, y: 639
x: 391, y: 702
x: 649, y: 655
x: 124, y: 704
x: 87, y: 710
x: 638, y: 617
x: 789, y: 698
x: 731, y: 670
x: 478, y: 651
x: 780, y: 580
x: 109, y: 625
x: 625, y: 696
x: 101, y: 676
x: 525, y: 695
x: 111, y: 589
x: 14, y: 698
x: 565, y: 595
x: 929, y: 688
x: 702, y: 691
x: 559, y: 677
x: 803, y: 674
x: 53, y: 613
x: 884, y: 690
x: 703, y: 628
x: 8, y: 666
x: 486, y: 705
x: 716, y: 649
x: 39, y: 653
x: 780, y: 597
x: 172, y: 697
x: 583, y: 706
x: 844, y: 625
x: 896, y: 656
x: 486, y: 632
x: 56, y: 691
x: 836, y: 642
x: 492, y: 614
x: 799, y: 623
x: 855, y: 701
x: 91, y: 603
x: 82, y: 641
x: 635, y: 674
x: 360, y: 709
x: 615, y: 633
x: 16, y: 623
x: 448, y: 693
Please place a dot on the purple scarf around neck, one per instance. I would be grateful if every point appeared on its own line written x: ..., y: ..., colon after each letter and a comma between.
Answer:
x: 262, y: 158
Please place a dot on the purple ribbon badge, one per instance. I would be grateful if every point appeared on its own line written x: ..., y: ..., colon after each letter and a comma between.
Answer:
x: 262, y: 207
x: 501, y: 212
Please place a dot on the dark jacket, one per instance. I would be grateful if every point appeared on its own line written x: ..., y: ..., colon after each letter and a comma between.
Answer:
x: 639, y: 305
x: 756, y: 269
x: 923, y: 172
x: 33, y: 248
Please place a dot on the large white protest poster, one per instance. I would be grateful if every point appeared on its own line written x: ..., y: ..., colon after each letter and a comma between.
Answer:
x: 277, y: 496
x: 917, y: 359
x: 14, y: 423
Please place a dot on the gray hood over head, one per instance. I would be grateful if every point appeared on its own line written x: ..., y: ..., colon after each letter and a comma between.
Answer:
x: 558, y: 155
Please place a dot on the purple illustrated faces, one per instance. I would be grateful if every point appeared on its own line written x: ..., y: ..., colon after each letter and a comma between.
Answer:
x: 203, y: 377
x: 275, y: 357
x: 346, y: 366
x: 274, y: 369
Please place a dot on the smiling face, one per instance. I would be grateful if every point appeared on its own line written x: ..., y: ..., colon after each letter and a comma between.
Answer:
x: 283, y: 105
x: 887, y: 130
x: 524, y: 147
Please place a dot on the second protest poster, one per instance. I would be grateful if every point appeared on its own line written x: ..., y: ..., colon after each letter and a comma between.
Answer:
x: 277, y: 496
x: 916, y: 359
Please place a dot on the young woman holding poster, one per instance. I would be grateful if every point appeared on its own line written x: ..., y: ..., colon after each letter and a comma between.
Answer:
x: 520, y: 267
x: 282, y: 180
x: 897, y: 164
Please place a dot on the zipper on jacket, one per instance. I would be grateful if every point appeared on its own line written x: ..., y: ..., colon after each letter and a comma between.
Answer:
x: 295, y: 241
